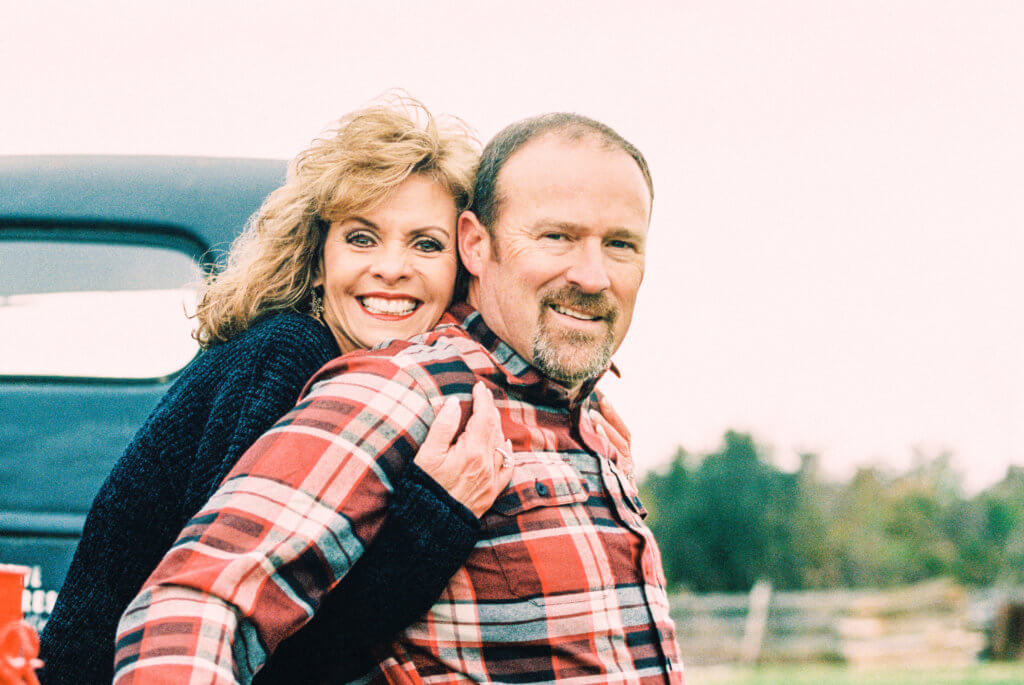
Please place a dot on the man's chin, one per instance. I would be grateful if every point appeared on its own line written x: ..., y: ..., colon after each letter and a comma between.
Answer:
x: 570, y: 366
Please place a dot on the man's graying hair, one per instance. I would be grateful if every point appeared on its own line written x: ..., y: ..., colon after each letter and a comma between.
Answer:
x: 487, y: 198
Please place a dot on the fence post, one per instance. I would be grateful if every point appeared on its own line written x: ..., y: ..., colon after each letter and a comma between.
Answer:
x: 757, y: 618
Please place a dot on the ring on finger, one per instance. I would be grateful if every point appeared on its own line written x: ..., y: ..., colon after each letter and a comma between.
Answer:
x: 506, y: 458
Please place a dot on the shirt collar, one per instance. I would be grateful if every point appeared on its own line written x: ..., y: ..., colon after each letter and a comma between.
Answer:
x: 516, y: 370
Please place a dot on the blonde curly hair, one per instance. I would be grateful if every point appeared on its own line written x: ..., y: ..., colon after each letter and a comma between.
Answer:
x: 349, y: 169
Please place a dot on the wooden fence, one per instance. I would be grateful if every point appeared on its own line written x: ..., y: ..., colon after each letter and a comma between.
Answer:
x: 929, y: 624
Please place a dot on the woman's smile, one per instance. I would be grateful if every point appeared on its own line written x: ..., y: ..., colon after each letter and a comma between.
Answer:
x: 389, y: 306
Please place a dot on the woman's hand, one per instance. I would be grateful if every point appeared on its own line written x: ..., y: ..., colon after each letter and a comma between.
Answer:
x: 478, y: 466
x: 609, y: 424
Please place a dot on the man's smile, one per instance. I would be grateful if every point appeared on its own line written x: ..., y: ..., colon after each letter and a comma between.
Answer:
x: 575, y: 313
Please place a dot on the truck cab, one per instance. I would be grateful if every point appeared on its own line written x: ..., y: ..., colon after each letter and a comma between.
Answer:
x: 100, y: 261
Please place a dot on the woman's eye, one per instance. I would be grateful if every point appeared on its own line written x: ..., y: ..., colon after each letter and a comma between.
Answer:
x: 429, y: 245
x: 360, y: 240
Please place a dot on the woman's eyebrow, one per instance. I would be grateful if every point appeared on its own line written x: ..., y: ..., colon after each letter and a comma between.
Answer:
x: 361, y: 220
x: 429, y: 229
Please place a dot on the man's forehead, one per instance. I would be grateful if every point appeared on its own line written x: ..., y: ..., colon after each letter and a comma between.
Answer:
x: 559, y: 144
x: 555, y: 165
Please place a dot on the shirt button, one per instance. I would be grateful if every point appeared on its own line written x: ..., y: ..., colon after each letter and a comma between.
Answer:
x: 542, y: 490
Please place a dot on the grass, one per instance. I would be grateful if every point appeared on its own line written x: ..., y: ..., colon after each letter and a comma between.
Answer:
x: 986, y: 674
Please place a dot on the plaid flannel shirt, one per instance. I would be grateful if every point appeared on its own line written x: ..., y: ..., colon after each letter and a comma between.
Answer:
x: 565, y: 584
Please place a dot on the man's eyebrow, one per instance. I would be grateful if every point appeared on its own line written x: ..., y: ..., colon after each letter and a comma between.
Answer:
x: 628, y: 233
x: 557, y: 224
x: 572, y: 227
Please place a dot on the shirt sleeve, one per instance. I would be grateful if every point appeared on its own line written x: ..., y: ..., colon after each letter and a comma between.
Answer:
x: 425, y: 540
x: 286, y: 525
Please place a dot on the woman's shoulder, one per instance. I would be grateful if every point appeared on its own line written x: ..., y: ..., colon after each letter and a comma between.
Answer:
x: 287, y: 337
x: 287, y: 348
x: 283, y: 328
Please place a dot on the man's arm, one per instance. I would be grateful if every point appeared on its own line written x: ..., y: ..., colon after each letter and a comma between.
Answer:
x: 285, y: 526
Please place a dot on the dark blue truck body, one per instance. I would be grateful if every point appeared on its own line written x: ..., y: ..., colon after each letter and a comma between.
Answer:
x: 61, y: 433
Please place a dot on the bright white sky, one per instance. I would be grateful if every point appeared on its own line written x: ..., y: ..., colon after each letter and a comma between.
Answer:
x: 837, y: 241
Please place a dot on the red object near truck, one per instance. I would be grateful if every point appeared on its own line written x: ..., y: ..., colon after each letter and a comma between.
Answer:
x: 19, y: 643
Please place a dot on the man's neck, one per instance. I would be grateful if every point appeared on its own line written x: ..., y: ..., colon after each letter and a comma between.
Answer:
x: 572, y: 390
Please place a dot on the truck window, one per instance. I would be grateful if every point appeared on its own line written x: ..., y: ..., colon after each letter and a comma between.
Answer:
x: 74, y: 308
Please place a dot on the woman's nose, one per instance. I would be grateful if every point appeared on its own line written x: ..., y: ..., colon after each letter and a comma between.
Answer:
x: 391, y: 264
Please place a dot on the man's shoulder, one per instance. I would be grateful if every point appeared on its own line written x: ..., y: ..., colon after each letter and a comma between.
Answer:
x: 440, y: 361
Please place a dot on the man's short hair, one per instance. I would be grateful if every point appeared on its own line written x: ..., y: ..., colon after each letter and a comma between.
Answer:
x: 487, y: 198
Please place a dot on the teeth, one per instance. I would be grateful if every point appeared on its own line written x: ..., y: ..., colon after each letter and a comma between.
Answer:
x: 573, y: 313
x: 383, y: 305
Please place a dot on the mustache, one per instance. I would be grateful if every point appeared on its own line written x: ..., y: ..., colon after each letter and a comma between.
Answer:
x: 594, y: 304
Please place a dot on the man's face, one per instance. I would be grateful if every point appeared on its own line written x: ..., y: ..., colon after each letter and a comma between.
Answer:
x: 559, y: 279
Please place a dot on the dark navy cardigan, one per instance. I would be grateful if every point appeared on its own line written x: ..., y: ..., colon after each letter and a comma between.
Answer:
x: 221, y: 403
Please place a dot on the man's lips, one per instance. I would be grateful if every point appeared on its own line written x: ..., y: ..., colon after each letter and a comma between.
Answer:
x: 570, y: 316
x: 388, y: 306
x: 578, y: 314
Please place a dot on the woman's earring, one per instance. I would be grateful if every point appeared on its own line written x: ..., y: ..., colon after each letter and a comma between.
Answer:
x: 316, y: 305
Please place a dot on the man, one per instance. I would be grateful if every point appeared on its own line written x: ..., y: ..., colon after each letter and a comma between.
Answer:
x: 566, y: 581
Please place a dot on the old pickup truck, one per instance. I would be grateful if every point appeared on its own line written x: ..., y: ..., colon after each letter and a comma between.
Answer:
x: 99, y: 262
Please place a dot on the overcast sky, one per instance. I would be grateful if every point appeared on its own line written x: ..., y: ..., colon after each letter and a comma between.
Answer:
x: 838, y: 232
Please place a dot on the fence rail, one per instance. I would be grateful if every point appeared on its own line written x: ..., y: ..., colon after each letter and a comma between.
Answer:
x: 937, y: 623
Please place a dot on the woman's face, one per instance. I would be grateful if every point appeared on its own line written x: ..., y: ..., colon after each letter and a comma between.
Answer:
x: 389, y: 272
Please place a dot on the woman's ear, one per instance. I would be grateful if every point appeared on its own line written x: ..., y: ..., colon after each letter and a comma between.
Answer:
x: 323, y: 230
x: 318, y: 268
x: 474, y: 243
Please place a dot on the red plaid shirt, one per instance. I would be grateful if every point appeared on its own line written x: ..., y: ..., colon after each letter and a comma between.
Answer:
x: 565, y: 583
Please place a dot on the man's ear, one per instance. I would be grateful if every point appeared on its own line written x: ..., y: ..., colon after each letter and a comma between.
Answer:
x: 474, y: 243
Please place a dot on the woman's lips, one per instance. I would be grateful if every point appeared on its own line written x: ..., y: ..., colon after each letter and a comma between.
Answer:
x: 388, y: 307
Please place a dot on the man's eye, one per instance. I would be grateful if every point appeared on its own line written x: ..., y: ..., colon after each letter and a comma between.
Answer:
x: 359, y: 240
x: 554, y: 236
x: 429, y: 245
x: 622, y: 245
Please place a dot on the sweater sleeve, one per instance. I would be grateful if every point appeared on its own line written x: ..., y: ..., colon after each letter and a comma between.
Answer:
x: 113, y: 558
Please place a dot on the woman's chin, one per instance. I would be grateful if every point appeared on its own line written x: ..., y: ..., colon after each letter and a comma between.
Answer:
x: 381, y: 331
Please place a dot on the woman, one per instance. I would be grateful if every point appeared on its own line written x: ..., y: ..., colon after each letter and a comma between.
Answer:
x: 357, y: 247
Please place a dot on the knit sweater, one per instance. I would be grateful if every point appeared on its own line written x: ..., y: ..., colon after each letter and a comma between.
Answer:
x: 215, y: 410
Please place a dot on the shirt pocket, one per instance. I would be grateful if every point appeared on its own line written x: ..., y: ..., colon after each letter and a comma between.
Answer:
x: 630, y: 492
x: 542, y: 537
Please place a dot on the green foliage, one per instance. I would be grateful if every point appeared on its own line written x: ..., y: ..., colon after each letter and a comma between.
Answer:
x: 725, y: 519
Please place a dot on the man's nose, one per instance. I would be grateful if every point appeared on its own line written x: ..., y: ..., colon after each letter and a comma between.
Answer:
x: 588, y: 270
x: 391, y: 264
